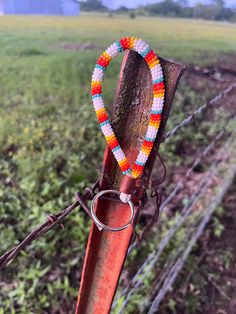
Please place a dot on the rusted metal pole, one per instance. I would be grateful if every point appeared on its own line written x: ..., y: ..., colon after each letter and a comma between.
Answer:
x: 106, y: 250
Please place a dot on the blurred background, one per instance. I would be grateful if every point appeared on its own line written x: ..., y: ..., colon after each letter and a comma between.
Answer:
x: 51, y: 146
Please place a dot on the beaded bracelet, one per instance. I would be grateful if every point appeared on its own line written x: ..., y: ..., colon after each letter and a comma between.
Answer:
x: 158, y: 85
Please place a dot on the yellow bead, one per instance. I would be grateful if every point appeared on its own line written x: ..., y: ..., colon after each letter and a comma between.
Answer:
x: 153, y: 64
x: 155, y: 124
x: 107, y: 56
x: 100, y: 111
x: 96, y: 83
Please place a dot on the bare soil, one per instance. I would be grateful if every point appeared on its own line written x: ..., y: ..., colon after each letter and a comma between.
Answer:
x: 79, y: 47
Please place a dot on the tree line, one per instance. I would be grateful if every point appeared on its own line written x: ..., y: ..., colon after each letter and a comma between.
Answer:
x: 215, y: 10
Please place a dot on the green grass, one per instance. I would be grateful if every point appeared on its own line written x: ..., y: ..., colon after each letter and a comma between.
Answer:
x: 50, y: 141
x: 178, y: 38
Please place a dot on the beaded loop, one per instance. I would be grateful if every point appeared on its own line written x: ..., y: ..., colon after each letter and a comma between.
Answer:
x: 158, y: 85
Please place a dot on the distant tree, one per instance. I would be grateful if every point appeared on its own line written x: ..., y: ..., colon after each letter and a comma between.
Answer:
x: 219, y: 3
x: 214, y: 11
x: 92, y: 5
x: 208, y: 12
x: 142, y: 10
x: 166, y: 8
x: 187, y: 12
x: 183, y: 3
x: 122, y: 8
x: 223, y: 12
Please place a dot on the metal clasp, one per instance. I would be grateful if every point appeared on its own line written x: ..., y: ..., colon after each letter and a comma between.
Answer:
x: 125, y: 198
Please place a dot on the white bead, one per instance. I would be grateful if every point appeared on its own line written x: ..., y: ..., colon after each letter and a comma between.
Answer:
x: 119, y: 155
x: 97, y: 106
x: 112, y: 50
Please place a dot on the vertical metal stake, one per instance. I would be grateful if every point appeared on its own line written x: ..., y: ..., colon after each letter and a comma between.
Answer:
x: 106, y: 251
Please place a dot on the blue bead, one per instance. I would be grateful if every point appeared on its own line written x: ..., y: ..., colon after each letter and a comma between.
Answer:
x: 104, y: 123
x: 115, y: 149
x: 119, y: 46
x: 145, y: 52
x: 149, y: 139
x: 158, y: 80
x: 98, y: 66
x: 156, y: 111
x: 140, y: 163
x: 97, y: 96
x: 127, y: 171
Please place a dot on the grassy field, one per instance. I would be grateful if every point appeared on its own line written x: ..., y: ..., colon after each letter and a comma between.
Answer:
x: 49, y: 139
x: 188, y: 40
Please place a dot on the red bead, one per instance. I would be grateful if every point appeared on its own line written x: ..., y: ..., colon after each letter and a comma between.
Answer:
x: 150, y: 55
x: 155, y: 117
x: 103, y: 61
x: 103, y: 117
x: 113, y: 144
x: 96, y: 90
x: 147, y: 144
x: 158, y: 87
x: 137, y: 168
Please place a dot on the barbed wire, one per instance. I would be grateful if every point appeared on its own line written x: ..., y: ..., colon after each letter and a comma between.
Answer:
x: 56, y: 219
x: 171, y: 260
x: 197, y: 161
x: 52, y: 221
x: 166, y: 269
x: 173, y: 273
x: 153, y: 257
x: 199, y: 110
x: 147, y: 267
x: 179, y: 185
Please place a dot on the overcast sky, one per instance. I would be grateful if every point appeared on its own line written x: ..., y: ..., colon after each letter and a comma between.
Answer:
x: 114, y: 4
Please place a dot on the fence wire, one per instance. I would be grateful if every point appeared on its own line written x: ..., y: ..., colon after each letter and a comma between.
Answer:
x: 173, y: 273
x: 179, y: 185
x: 186, y: 121
x: 55, y: 219
x: 177, y: 259
x: 51, y: 222
x: 153, y: 257
x: 168, y: 267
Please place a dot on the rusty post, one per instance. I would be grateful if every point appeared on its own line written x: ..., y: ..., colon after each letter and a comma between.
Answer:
x: 106, y: 251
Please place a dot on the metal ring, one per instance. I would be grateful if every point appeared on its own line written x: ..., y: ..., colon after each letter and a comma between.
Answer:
x: 101, y: 225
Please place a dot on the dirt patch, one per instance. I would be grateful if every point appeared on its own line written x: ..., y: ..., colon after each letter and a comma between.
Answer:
x: 79, y: 47
x: 213, y: 78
